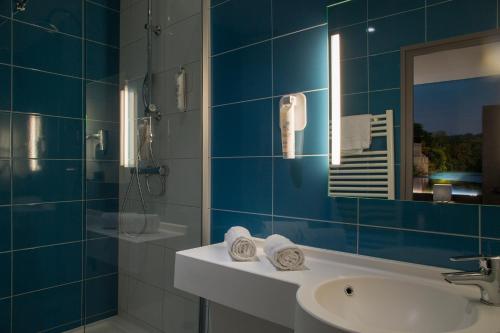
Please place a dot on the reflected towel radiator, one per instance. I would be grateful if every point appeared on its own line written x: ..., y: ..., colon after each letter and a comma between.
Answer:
x: 369, y: 174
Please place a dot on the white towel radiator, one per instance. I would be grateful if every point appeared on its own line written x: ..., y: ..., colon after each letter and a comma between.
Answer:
x: 369, y: 174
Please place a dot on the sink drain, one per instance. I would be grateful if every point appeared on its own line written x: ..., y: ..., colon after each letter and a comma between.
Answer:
x: 349, y: 291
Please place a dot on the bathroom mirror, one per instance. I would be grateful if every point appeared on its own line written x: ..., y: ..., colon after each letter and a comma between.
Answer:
x: 419, y: 121
x: 451, y: 121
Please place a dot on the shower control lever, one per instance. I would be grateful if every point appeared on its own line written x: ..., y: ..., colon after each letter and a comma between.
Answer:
x: 102, y: 139
x: 155, y: 28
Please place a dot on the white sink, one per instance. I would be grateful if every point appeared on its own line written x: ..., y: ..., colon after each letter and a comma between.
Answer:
x: 386, y: 296
x: 375, y: 304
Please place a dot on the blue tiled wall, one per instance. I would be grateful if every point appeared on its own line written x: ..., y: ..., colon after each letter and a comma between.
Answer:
x: 58, y: 82
x: 264, y: 49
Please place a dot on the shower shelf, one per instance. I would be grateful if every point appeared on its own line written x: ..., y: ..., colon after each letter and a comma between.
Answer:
x: 165, y: 231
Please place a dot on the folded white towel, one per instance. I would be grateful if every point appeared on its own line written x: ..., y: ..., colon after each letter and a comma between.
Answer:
x: 134, y: 223
x: 356, y: 133
x: 284, y: 254
x: 240, y: 244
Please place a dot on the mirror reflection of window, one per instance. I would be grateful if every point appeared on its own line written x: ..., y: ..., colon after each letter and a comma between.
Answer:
x: 456, y: 110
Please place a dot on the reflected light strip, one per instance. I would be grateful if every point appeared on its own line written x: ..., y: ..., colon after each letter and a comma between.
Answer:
x: 335, y: 99
x: 34, y: 137
x: 128, y: 128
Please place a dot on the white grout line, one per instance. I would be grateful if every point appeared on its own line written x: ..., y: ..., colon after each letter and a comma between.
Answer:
x: 268, y: 40
x: 271, y: 4
x: 11, y: 155
x: 480, y: 213
x: 64, y: 33
x: 103, y: 6
x: 419, y: 231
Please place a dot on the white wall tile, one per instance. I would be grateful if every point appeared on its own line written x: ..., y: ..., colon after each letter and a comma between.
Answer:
x: 132, y: 21
x: 145, y: 303
x: 179, y: 314
x: 165, y: 87
x: 226, y: 320
x: 180, y: 44
x: 147, y: 263
x: 173, y: 11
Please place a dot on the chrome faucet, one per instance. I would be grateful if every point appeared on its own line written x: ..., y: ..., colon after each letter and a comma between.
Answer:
x: 487, y: 278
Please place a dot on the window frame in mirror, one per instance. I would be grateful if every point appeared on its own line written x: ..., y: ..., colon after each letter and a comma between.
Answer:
x: 408, y: 55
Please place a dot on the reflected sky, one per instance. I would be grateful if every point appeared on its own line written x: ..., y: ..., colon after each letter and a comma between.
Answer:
x: 455, y: 107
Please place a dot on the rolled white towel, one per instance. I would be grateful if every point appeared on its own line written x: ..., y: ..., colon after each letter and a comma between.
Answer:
x: 240, y: 244
x: 284, y: 254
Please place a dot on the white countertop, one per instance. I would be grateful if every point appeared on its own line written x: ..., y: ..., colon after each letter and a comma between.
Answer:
x: 257, y: 288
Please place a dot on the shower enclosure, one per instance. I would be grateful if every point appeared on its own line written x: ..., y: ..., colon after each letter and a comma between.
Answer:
x: 89, y: 227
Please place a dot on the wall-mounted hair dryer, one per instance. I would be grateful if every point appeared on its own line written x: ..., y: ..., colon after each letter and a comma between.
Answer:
x: 293, y: 118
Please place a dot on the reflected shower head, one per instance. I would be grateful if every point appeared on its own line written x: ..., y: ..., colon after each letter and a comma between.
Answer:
x: 21, y: 5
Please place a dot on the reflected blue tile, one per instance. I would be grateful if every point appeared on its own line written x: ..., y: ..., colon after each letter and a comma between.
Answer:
x: 242, y: 75
x: 5, y: 8
x: 4, y: 135
x: 57, y: 53
x: 5, y: 315
x: 300, y: 190
x: 243, y: 184
x: 294, y: 15
x: 46, y: 267
x: 65, y: 327
x: 111, y: 149
x: 490, y: 247
x: 355, y: 76
x: 101, y: 295
x: 234, y: 129
x: 5, y: 39
x: 102, y: 215
x: 5, y: 84
x: 258, y: 225
x: 385, y: 71
x: 353, y: 41
x: 37, y: 181
x: 101, y: 257
x: 38, y: 225
x: 325, y: 235
x: 425, y: 216
x: 5, y: 275
x: 397, y: 146
x: 417, y: 247
x: 300, y: 61
x: 347, y: 13
x: 490, y: 221
x: 64, y: 16
x: 102, y: 101
x: 355, y: 104
x: 102, y: 63
x: 113, y: 4
x: 102, y: 180
x: 393, y: 32
x: 4, y: 182
x: 460, y: 17
x: 5, y: 229
x: 314, y: 139
x: 102, y: 24
x: 40, y: 307
x: 380, y: 101
x: 240, y: 23
x: 49, y: 94
x: 46, y: 137
x: 379, y: 8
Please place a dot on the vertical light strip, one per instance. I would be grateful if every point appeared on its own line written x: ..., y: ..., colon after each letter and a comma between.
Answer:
x: 128, y: 128
x: 335, y: 99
